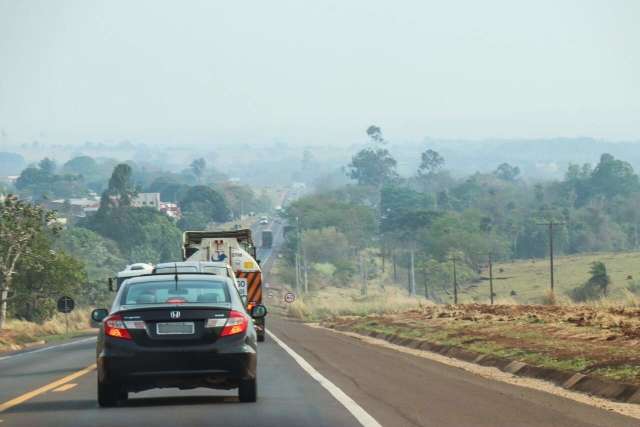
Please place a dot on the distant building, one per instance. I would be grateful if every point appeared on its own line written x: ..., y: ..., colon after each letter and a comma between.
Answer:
x: 146, y: 200
x: 76, y: 207
x: 170, y: 209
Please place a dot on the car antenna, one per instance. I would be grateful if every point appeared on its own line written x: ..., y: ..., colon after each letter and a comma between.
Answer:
x: 175, y: 276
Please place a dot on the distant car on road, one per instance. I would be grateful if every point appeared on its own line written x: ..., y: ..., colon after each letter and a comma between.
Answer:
x: 264, y: 220
x: 182, y: 330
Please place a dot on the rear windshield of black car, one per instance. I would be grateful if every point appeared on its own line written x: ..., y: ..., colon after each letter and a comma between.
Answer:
x: 167, y: 292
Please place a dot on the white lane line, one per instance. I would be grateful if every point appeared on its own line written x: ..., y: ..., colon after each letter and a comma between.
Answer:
x: 356, y: 410
x: 48, y: 348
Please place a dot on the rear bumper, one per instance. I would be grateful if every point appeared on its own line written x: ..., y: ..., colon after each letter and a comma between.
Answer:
x: 139, y: 369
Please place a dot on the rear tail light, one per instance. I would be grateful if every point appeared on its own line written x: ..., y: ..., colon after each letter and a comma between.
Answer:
x: 236, y: 324
x: 114, y: 327
x: 215, y: 323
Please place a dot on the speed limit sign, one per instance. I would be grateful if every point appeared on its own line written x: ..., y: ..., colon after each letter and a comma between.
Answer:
x: 289, y: 297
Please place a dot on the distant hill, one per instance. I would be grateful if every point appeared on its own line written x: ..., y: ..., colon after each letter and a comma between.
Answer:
x: 537, y: 158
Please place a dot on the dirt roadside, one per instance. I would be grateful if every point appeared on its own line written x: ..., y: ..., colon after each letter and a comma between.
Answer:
x: 603, y: 343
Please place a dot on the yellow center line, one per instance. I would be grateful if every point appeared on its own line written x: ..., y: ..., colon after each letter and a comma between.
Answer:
x: 65, y: 387
x: 45, y: 388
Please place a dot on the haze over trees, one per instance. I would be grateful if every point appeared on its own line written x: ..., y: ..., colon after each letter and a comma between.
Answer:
x: 495, y: 213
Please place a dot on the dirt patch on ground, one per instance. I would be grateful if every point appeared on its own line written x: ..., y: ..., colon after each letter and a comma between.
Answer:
x: 604, y: 342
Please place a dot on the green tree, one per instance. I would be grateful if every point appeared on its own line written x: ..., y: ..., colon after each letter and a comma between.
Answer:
x: 170, y: 187
x: 198, y: 167
x: 196, y: 218
x: 507, y: 172
x: 206, y: 200
x: 20, y: 225
x: 373, y: 166
x: 47, y: 166
x: 121, y: 185
x: 613, y: 177
x: 431, y: 162
x: 375, y: 134
x: 101, y: 258
x: 81, y: 165
x: 595, y: 287
x: 37, y: 287
x: 137, y: 231
x: 599, y: 277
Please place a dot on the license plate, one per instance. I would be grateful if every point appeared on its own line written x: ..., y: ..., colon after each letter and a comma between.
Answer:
x: 175, y: 328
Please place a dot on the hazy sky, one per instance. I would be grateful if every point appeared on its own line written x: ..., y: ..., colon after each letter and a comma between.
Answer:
x: 318, y: 70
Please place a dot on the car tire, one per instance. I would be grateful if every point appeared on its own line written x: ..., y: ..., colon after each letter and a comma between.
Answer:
x: 248, y: 390
x: 108, y: 394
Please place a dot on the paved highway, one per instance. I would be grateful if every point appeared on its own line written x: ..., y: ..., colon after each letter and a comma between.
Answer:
x: 395, y: 389
x: 307, y: 377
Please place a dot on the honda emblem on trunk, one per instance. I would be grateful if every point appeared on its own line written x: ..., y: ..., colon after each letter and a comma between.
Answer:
x: 175, y: 314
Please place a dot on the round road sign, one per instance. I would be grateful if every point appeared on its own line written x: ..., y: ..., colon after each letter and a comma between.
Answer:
x: 66, y: 304
x: 289, y: 297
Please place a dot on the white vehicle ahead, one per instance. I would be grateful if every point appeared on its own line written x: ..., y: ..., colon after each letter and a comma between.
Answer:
x: 133, y: 270
x: 219, y: 268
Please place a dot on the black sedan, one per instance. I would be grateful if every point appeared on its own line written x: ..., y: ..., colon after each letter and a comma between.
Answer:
x: 176, y: 330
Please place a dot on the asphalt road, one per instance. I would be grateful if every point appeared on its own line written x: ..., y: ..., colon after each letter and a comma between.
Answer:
x: 385, y: 387
x: 394, y: 388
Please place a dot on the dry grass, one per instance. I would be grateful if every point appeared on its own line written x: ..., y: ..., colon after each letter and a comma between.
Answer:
x: 331, y: 302
x: 529, y: 279
x: 17, y: 333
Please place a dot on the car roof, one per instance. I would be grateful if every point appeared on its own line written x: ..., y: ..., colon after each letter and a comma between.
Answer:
x: 192, y: 264
x: 178, y: 264
x: 161, y: 277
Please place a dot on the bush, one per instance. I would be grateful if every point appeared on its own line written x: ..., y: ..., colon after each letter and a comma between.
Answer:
x: 594, y: 288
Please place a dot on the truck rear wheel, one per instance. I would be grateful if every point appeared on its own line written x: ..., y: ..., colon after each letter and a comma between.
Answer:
x: 262, y: 332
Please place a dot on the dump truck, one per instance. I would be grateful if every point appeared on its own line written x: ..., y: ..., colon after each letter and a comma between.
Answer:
x: 267, y: 239
x: 235, y: 247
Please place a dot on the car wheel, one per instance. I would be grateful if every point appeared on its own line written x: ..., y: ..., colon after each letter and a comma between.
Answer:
x: 108, y: 394
x: 261, y: 337
x: 248, y: 390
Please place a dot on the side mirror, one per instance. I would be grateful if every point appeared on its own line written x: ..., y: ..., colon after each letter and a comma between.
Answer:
x: 110, y: 282
x: 259, y: 311
x: 99, y: 314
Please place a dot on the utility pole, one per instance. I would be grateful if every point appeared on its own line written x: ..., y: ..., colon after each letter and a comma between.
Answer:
x: 412, y: 273
x: 455, y: 281
x: 306, y: 277
x: 395, y: 268
x: 365, y: 272
x: 297, y: 273
x: 550, y: 224
x: 490, y: 278
x: 303, y: 259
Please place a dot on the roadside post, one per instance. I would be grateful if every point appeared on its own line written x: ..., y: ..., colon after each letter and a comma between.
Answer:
x: 66, y: 305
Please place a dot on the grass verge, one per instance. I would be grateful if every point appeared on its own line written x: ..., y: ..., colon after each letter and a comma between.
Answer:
x: 19, y: 333
x: 588, y: 340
